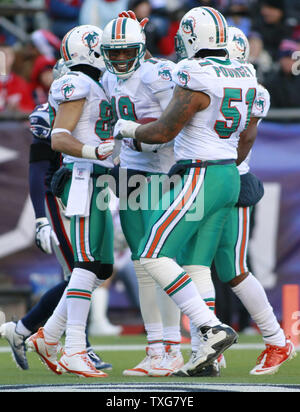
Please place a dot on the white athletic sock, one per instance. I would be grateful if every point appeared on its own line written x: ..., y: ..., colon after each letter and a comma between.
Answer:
x: 149, y: 306
x: 79, y: 292
x: 154, y: 334
x: 201, y: 276
x: 56, y: 324
x: 179, y: 286
x: 254, y: 298
x: 171, y: 315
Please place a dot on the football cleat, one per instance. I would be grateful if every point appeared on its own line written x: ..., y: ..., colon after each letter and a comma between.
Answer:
x: 97, y: 361
x: 213, y: 370
x: 272, y: 358
x: 47, y: 351
x: 152, y: 360
x: 79, y: 364
x: 17, y: 344
x: 214, y: 341
x: 172, y: 361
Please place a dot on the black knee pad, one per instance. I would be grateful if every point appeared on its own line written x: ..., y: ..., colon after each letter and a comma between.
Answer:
x: 102, y: 271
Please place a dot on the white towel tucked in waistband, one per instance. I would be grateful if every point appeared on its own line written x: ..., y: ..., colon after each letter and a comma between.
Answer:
x: 79, y: 195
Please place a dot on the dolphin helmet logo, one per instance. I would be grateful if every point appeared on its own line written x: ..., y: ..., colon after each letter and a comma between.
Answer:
x: 91, y: 40
x: 188, y: 26
x: 240, y: 44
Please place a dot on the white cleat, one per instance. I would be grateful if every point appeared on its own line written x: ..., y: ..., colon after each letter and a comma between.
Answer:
x: 152, y: 360
x: 47, y: 351
x: 79, y: 364
x: 172, y: 361
x: 16, y: 342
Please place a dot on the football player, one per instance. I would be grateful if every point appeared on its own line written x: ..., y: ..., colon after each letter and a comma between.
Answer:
x: 43, y: 164
x: 81, y: 116
x: 140, y: 88
x: 210, y: 108
x: 231, y: 257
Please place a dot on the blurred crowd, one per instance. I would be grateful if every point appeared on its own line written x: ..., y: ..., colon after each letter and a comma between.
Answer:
x: 272, y: 26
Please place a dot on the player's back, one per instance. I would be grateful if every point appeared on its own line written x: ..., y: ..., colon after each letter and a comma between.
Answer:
x: 213, y: 133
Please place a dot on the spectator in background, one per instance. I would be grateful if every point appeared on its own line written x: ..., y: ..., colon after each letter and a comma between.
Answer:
x: 293, y: 13
x: 63, y: 15
x: 15, y: 94
x: 284, y: 85
x: 6, y: 37
x: 217, y: 4
x: 42, y: 78
x: 42, y: 43
x: 268, y: 30
x: 238, y: 14
x: 101, y: 12
x: 142, y: 9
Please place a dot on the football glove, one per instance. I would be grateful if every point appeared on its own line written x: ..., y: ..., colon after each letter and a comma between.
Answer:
x: 44, y: 235
x: 105, y: 149
x: 125, y: 128
x: 131, y: 15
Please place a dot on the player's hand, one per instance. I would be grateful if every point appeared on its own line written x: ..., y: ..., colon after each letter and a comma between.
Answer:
x: 44, y: 235
x: 131, y: 15
x: 125, y: 128
x: 105, y: 149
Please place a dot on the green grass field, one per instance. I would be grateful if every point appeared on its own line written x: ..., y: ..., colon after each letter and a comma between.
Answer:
x: 239, y: 363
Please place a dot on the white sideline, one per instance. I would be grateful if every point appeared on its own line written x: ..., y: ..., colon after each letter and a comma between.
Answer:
x: 114, y: 348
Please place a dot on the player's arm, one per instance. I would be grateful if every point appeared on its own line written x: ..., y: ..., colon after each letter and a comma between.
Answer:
x: 247, y: 139
x: 41, y: 157
x: 183, y: 106
x: 67, y: 117
x: 38, y: 167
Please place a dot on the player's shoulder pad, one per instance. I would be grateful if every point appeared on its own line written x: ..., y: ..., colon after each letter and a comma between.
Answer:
x: 262, y: 102
x: 156, y: 70
x: 193, y: 74
x: 40, y: 122
x: 71, y: 86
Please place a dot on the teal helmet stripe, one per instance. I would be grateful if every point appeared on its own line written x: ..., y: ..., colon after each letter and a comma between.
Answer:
x: 113, y: 30
x: 124, y: 28
x: 216, y: 23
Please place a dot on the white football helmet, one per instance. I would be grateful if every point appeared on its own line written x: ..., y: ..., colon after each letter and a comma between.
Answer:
x: 81, y: 45
x: 238, y: 44
x: 201, y: 28
x: 123, y: 33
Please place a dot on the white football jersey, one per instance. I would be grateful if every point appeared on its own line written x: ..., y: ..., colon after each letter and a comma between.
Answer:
x: 260, y: 109
x: 95, y: 122
x: 144, y: 94
x: 213, y: 133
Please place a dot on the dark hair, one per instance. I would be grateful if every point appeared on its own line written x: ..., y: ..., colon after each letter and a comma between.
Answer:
x: 212, y: 53
x: 93, y: 72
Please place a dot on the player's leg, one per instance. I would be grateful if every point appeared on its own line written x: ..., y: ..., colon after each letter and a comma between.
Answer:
x: 169, y: 313
x: 170, y: 230
x: 132, y: 223
x: 87, y: 237
x: 16, y: 334
x: 231, y: 266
